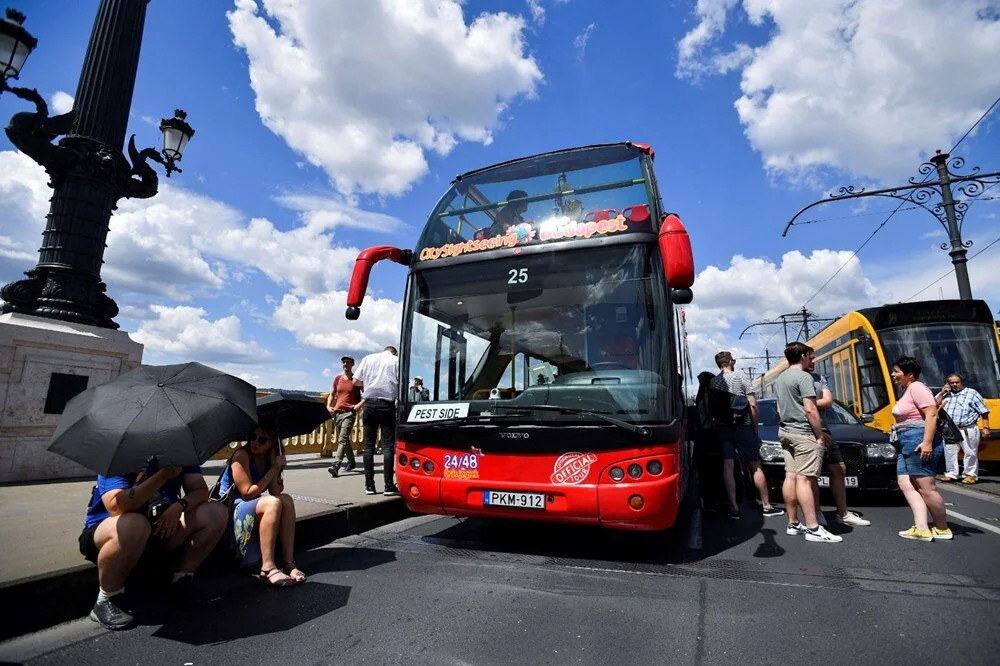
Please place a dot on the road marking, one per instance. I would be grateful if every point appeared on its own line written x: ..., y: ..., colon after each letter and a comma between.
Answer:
x: 969, y: 492
x: 973, y: 521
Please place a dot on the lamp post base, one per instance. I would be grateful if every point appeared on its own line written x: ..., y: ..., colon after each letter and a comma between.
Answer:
x: 57, y: 292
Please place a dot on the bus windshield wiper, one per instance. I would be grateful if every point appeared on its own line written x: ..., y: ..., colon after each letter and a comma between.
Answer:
x: 642, y: 431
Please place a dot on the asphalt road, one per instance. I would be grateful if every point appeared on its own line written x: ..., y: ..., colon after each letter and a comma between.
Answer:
x: 438, y: 590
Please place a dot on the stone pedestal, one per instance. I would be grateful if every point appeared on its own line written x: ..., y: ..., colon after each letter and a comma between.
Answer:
x: 41, y: 362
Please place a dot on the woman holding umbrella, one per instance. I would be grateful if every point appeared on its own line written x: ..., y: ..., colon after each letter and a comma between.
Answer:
x: 260, y: 522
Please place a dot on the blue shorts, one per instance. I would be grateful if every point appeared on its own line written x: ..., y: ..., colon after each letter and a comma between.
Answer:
x: 739, y: 440
x: 909, y: 462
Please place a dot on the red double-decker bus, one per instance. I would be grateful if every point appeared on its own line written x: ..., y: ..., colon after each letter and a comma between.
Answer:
x: 540, y: 313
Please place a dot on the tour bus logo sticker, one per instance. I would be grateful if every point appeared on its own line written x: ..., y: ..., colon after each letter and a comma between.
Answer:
x: 559, y: 228
x: 572, y: 468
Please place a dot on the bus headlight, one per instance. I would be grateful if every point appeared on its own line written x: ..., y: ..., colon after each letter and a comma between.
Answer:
x: 771, y: 451
x: 617, y: 473
x: 883, y: 450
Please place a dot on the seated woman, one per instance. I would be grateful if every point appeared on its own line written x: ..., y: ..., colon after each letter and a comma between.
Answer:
x: 259, y: 521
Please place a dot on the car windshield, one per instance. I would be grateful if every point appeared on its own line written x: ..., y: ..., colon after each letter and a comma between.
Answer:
x: 940, y: 349
x: 575, y: 329
x: 583, y: 193
x: 836, y: 414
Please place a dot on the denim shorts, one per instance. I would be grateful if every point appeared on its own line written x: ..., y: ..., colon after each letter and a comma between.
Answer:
x: 739, y: 440
x: 909, y: 462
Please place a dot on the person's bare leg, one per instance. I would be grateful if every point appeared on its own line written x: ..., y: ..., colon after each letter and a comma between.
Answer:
x: 120, y: 541
x: 286, y: 529
x: 268, y: 522
x: 932, y: 500
x: 201, y: 528
x: 915, y: 500
x: 838, y: 488
x: 728, y: 470
x: 760, y: 481
x: 788, y: 493
x: 805, y: 487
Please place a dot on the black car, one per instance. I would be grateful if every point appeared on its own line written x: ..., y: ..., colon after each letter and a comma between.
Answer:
x: 869, y: 456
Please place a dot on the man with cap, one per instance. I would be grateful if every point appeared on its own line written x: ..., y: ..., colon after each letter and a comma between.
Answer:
x: 417, y: 392
x: 343, y: 404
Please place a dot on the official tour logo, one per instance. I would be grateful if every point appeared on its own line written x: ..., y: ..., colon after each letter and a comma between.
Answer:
x: 572, y: 468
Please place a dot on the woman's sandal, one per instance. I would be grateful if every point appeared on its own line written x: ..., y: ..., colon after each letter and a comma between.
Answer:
x: 295, y: 573
x: 268, y: 578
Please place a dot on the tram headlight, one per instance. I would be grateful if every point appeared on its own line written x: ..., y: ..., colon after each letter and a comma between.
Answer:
x: 883, y: 450
x: 617, y: 473
x: 770, y: 451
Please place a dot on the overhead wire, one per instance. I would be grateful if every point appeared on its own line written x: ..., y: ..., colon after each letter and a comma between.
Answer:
x: 892, y: 213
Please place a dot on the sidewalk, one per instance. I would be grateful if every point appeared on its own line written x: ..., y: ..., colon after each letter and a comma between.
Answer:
x: 40, y: 524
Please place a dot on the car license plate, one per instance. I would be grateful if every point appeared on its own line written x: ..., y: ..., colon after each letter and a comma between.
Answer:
x: 514, y: 500
x: 849, y: 482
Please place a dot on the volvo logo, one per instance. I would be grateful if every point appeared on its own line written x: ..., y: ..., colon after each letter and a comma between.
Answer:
x: 515, y: 435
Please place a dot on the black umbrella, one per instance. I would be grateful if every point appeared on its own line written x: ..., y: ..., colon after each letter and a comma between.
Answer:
x: 291, y: 414
x: 181, y: 414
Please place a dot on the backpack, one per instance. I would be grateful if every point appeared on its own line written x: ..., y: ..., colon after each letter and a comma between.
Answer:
x: 727, y: 409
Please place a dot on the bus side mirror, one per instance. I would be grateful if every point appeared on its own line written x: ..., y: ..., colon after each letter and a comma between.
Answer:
x: 675, y: 248
x: 362, y: 270
x: 681, y: 296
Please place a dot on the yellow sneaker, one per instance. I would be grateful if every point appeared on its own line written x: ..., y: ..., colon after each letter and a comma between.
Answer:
x: 944, y: 534
x: 969, y: 480
x: 917, y: 535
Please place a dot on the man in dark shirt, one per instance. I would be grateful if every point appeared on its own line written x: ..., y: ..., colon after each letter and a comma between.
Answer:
x: 509, y: 215
x: 126, y: 513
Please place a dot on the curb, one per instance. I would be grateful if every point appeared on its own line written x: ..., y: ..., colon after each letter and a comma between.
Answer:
x: 68, y: 594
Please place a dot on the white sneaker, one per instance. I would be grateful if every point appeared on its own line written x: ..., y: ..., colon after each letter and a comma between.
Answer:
x: 853, y: 519
x: 821, y: 535
x: 795, y: 529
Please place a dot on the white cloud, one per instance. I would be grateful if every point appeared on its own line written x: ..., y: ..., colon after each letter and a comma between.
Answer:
x: 363, y: 88
x: 24, y: 200
x: 61, y: 102
x: 185, y: 332
x: 581, y: 40
x: 537, y: 11
x: 857, y: 85
x: 319, y: 322
x: 321, y: 213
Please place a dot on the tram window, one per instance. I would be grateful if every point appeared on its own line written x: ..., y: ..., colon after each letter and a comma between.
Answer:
x: 873, y: 391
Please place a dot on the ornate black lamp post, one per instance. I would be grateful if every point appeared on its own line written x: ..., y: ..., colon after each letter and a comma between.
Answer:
x: 86, y: 167
x: 949, y: 212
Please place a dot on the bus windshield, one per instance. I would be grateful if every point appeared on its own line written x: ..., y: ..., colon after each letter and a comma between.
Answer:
x: 968, y: 349
x: 583, y: 193
x: 571, y: 329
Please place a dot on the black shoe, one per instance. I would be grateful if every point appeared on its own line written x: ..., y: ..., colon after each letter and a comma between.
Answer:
x: 391, y: 491
x: 370, y: 490
x: 111, y: 615
x: 334, y: 470
x: 734, y: 514
x: 350, y: 467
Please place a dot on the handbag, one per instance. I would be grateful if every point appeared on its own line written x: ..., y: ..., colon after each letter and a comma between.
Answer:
x: 950, y: 432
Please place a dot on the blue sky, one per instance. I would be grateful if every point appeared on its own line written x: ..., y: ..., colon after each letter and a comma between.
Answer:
x: 326, y: 127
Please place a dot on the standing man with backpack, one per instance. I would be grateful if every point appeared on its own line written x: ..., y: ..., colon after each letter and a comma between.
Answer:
x: 343, y: 404
x: 734, y: 414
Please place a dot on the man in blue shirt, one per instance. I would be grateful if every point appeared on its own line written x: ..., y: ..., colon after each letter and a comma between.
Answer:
x: 965, y: 406
x: 128, y: 513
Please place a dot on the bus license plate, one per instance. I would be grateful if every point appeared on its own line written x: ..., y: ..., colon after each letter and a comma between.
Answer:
x: 849, y: 482
x: 514, y: 500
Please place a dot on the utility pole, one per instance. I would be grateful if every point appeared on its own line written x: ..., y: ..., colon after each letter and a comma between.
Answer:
x: 948, y: 211
x: 766, y: 358
x: 801, y: 318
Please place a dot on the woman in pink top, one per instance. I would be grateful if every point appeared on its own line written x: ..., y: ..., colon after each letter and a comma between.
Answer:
x: 920, y: 454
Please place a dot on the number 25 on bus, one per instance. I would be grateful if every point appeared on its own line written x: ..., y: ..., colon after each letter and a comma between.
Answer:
x: 540, y: 311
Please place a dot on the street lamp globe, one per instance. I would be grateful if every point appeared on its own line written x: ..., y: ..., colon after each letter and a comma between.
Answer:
x: 176, y: 134
x: 16, y: 44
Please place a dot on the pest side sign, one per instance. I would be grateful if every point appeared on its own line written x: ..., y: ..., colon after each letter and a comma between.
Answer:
x: 422, y: 412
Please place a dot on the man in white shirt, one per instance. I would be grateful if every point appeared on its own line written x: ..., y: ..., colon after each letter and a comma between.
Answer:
x: 378, y: 377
